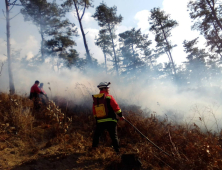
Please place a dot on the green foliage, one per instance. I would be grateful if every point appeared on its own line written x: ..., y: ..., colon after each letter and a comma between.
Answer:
x: 80, y: 6
x: 161, y: 26
x: 207, y: 18
x: 196, y: 72
x: 56, y: 31
x: 68, y: 4
x: 105, y: 43
x: 107, y: 19
x: 132, y: 43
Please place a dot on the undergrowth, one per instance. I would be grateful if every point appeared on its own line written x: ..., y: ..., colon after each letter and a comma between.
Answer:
x: 69, y: 128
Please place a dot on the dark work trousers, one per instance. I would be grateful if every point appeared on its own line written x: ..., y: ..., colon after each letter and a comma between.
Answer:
x: 111, y: 127
x: 35, y: 98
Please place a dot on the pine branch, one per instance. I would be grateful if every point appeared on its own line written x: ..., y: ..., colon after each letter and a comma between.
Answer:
x: 13, y: 4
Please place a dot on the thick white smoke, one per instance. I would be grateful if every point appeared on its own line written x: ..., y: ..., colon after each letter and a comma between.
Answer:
x: 160, y: 98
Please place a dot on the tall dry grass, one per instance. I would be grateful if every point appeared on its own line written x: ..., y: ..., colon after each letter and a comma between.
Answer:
x: 71, y: 127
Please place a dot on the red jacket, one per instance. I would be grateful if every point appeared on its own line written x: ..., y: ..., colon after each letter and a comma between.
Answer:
x: 113, y: 104
x: 35, y: 89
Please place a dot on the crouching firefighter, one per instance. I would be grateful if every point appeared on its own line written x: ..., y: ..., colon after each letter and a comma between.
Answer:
x: 105, y: 109
x: 44, y: 98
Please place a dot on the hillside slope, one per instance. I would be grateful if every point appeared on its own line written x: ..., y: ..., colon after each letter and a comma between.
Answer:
x: 54, y: 137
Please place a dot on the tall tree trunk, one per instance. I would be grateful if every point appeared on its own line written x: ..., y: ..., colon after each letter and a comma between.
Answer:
x: 168, y: 46
x: 11, y: 82
x: 88, y: 56
x: 114, y: 52
x: 41, y: 33
x: 219, y: 39
x: 105, y: 61
x: 42, y: 44
x: 134, y: 59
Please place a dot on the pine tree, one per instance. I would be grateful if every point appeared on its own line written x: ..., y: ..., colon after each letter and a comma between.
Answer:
x: 131, y: 43
x: 80, y: 5
x: 161, y: 26
x: 38, y: 12
x: 196, y: 66
x: 105, y: 43
x: 207, y: 18
x: 108, y: 20
x: 62, y: 43
x: 56, y: 31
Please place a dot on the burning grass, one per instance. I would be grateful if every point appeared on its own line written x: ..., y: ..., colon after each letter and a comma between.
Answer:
x: 54, y: 137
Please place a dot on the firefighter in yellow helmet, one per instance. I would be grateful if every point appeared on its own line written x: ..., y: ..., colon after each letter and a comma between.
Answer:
x: 105, y: 109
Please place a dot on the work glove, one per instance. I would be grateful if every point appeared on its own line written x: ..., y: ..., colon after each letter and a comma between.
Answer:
x: 122, y: 118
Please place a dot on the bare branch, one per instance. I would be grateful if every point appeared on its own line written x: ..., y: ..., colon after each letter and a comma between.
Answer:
x: 13, y: 3
x: 17, y: 5
x: 83, y: 11
x: 3, y: 13
x: 14, y: 16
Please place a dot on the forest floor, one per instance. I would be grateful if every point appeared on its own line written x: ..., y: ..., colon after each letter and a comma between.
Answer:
x: 15, y: 155
x: 46, y: 139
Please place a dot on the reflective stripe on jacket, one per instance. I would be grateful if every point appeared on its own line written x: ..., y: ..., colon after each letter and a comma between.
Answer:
x: 112, y: 106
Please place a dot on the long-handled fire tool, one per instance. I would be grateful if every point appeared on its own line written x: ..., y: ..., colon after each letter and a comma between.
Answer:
x: 147, y: 138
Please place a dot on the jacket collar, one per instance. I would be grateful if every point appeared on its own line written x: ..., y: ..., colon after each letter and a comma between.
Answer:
x: 104, y: 92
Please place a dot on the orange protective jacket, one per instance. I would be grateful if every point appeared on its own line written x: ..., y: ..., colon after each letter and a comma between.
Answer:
x: 113, y: 109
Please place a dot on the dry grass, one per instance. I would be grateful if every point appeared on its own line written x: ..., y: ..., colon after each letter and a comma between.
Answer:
x: 60, y: 137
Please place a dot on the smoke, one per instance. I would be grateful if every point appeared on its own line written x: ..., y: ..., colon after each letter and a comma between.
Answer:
x: 162, y: 98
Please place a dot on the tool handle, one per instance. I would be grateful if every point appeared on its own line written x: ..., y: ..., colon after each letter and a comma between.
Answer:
x: 147, y: 138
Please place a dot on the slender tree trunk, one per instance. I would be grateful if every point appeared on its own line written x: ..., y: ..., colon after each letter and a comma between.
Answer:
x: 114, y: 52
x: 219, y: 39
x: 11, y: 82
x: 168, y: 46
x: 134, y: 59
x: 88, y: 56
x: 41, y: 33
x: 105, y: 61
x: 42, y: 44
x: 168, y: 56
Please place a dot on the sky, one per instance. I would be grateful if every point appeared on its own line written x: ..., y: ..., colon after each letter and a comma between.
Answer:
x: 25, y: 35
